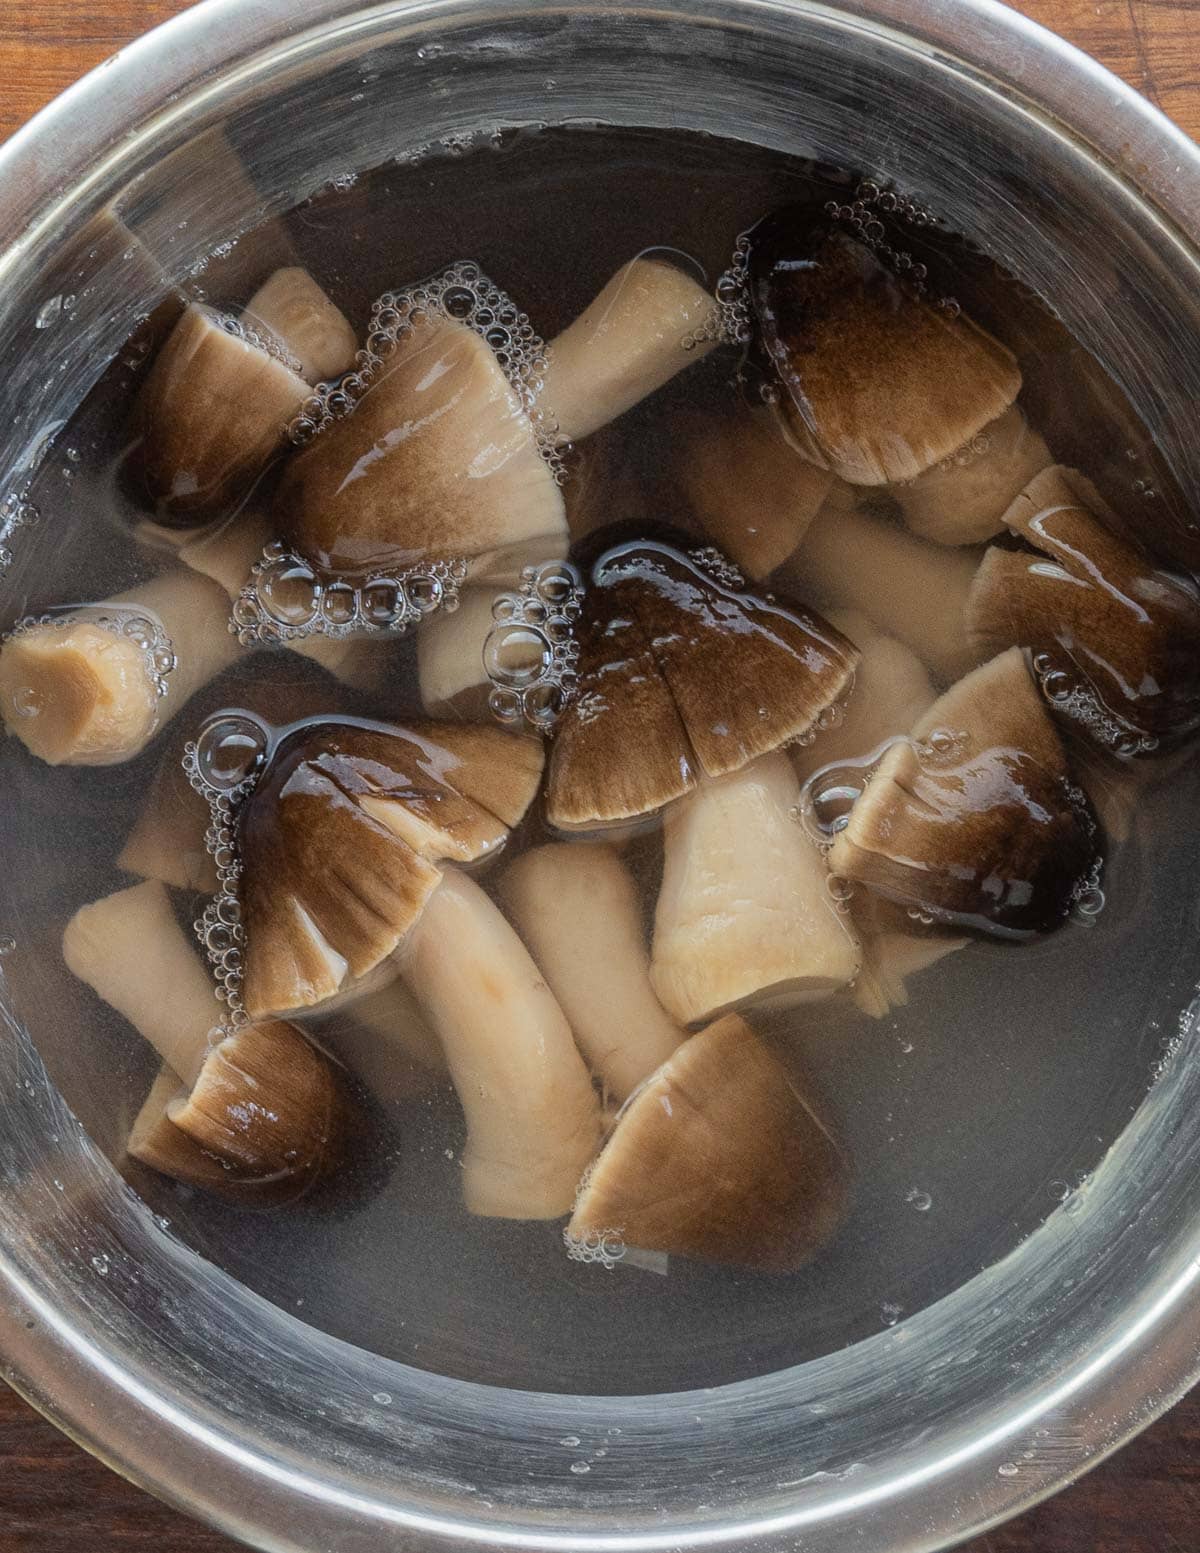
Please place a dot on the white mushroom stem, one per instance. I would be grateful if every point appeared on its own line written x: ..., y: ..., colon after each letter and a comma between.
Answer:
x: 745, y: 917
x: 130, y: 950
x: 533, y: 1117
x: 79, y: 693
x: 299, y: 314
x: 963, y: 499
x: 453, y: 679
x: 577, y: 909
x: 626, y: 343
x: 915, y: 591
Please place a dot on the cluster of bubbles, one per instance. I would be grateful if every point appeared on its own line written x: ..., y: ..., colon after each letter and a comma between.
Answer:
x: 1076, y: 700
x: 464, y: 294
x: 284, y: 599
x: 840, y: 892
x: 730, y: 322
x: 530, y: 654
x: 831, y: 717
x: 261, y: 338
x: 223, y: 765
x: 717, y: 566
x: 1088, y: 899
x: 16, y: 512
x: 130, y: 623
x: 602, y: 1247
x: 941, y: 747
x: 868, y: 216
x: 918, y: 1200
x: 978, y: 447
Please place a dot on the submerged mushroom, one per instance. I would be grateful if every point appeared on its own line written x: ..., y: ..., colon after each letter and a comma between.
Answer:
x: 650, y: 321
x: 915, y: 591
x: 533, y: 1117
x: 256, y: 1114
x: 682, y: 674
x: 217, y: 403
x: 745, y: 917
x: 877, y: 384
x: 91, y: 685
x: 1116, y: 639
x: 716, y: 1157
x: 895, y: 948
x: 963, y: 498
x: 342, y: 838
x: 577, y: 910
x: 974, y: 821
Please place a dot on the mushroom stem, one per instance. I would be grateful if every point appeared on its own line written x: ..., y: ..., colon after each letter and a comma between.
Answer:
x: 533, y: 1118
x: 392, y: 1020
x: 80, y: 693
x: 745, y: 917
x: 298, y: 313
x: 915, y: 591
x: 630, y: 340
x: 577, y: 909
x: 453, y: 679
x: 130, y: 950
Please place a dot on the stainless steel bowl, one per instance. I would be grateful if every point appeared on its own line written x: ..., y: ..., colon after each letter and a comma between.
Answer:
x: 229, y: 1407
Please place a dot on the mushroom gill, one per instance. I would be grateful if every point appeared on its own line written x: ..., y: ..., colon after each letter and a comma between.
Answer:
x: 974, y: 821
x: 717, y: 1157
x: 342, y: 838
x: 577, y: 910
x: 877, y: 384
x: 1116, y: 639
x: 682, y: 674
x: 533, y: 1117
x: 257, y: 1114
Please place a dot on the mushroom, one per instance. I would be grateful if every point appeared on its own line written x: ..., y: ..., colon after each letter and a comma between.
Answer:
x: 915, y: 591
x: 745, y: 917
x: 749, y: 488
x: 293, y: 309
x: 894, y: 950
x: 1116, y: 639
x: 391, y: 1026
x: 342, y: 838
x: 577, y: 910
x: 716, y: 1157
x: 216, y: 405
x: 256, y: 1114
x: 439, y: 461
x: 533, y: 1117
x: 90, y: 686
x: 682, y: 674
x: 649, y: 322
x: 963, y: 498
x: 876, y: 384
x: 974, y: 822
x: 453, y: 679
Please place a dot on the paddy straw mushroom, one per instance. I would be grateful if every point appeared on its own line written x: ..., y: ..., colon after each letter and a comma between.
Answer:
x: 215, y: 407
x: 91, y: 685
x: 682, y: 674
x: 343, y: 838
x: 974, y: 822
x: 257, y: 1114
x: 1115, y: 637
x: 533, y: 1116
x: 717, y: 1156
x: 576, y: 908
x: 876, y: 383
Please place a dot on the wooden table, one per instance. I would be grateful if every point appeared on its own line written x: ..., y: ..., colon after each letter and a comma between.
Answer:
x: 55, y: 1499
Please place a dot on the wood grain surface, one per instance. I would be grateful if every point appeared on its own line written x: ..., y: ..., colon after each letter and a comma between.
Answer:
x: 54, y: 1498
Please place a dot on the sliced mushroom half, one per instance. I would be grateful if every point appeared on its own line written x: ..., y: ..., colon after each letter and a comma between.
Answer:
x: 745, y: 916
x: 682, y: 674
x: 256, y: 1114
x: 533, y: 1117
x: 1116, y: 639
x: 577, y: 910
x: 716, y: 1157
x: 974, y: 821
x: 342, y: 838
x: 877, y: 384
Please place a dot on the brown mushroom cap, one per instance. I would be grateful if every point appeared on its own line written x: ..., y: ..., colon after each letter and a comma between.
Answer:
x: 264, y: 1121
x: 975, y: 820
x: 681, y: 674
x: 716, y: 1157
x: 878, y: 385
x: 341, y: 838
x: 438, y: 461
x: 212, y: 413
x: 1121, y: 636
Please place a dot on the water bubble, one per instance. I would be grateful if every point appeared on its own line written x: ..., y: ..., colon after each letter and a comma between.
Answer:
x: 339, y: 605
x: 579, y: 1468
x: 49, y: 313
x: 920, y: 915
x: 542, y: 704
x: 570, y: 1441
x: 1008, y: 1469
x: 506, y: 705
x: 890, y: 1313
x: 516, y: 655
x: 459, y: 302
x: 229, y: 749
x: 384, y: 1398
x: 381, y: 603
x: 1056, y: 685
x: 289, y: 592
x: 7, y: 944
x: 918, y: 1200
x: 424, y: 592
x: 26, y: 701
x: 101, y: 1265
